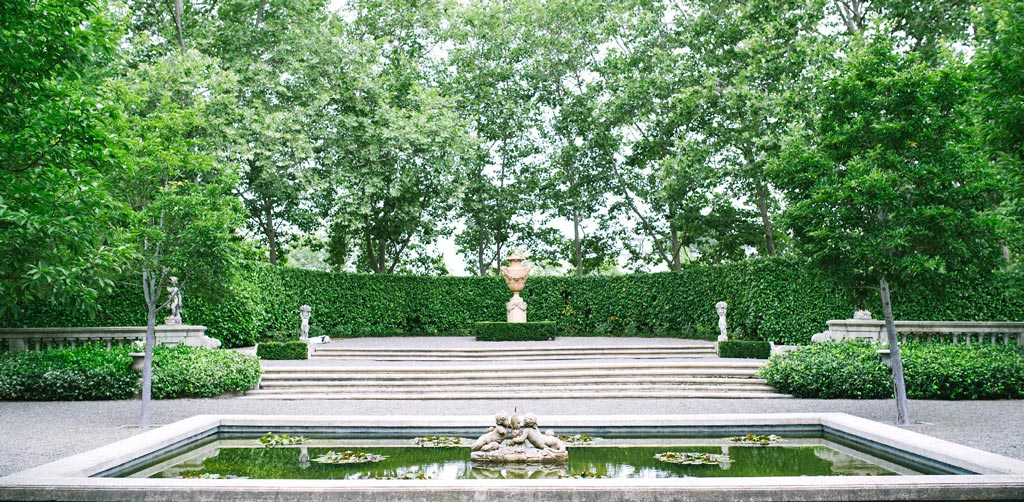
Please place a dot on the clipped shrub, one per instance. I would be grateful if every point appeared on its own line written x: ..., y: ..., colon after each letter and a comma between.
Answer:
x: 84, y: 373
x: 948, y: 371
x: 283, y: 350
x: 745, y: 349
x: 515, y: 331
x: 931, y: 371
x: 183, y: 371
x: 848, y: 370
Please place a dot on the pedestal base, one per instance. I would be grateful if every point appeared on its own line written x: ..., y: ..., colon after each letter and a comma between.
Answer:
x: 520, y: 455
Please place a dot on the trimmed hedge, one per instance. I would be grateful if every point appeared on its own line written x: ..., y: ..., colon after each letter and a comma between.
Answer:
x: 85, y: 373
x: 744, y: 349
x: 282, y: 350
x: 93, y: 372
x: 775, y: 299
x: 182, y: 371
x: 853, y: 370
x: 515, y: 331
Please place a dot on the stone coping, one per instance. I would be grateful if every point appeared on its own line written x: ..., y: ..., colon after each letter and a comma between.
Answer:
x: 998, y: 478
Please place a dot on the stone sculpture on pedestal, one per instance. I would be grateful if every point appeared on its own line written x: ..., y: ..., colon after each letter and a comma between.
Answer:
x: 304, y: 312
x: 515, y: 441
x: 720, y: 307
x: 174, y: 303
x: 515, y: 278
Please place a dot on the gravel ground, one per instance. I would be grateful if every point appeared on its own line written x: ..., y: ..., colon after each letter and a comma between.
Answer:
x: 37, y: 433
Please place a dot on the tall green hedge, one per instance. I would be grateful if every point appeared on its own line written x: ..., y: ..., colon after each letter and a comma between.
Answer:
x: 776, y: 299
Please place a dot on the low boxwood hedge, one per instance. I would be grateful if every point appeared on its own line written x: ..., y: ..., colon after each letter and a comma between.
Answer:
x: 515, y: 331
x: 183, y: 371
x: 852, y: 370
x: 745, y: 349
x: 85, y: 373
x: 93, y: 372
x: 283, y: 350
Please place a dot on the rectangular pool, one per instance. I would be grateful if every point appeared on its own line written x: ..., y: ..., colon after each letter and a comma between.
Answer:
x: 822, y: 457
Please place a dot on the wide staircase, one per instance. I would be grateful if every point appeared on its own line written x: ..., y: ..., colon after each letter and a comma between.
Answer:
x: 340, y: 371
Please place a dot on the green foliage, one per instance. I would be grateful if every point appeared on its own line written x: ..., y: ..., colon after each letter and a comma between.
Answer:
x: 830, y: 371
x: 942, y: 371
x: 58, y: 237
x: 515, y: 331
x: 283, y: 350
x: 744, y: 349
x: 933, y: 371
x: 182, y: 371
x: 82, y: 373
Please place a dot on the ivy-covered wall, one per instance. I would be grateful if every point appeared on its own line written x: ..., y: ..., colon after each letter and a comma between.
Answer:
x: 773, y: 299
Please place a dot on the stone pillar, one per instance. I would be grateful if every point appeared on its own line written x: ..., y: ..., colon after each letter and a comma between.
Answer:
x: 515, y: 275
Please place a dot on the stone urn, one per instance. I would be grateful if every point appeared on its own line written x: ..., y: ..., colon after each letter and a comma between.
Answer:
x: 138, y: 361
x: 515, y: 275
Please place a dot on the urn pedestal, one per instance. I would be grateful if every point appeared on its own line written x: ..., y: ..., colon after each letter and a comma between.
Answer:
x: 515, y: 275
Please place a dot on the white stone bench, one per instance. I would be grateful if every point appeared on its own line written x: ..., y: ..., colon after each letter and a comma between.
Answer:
x: 968, y: 332
x: 19, y: 339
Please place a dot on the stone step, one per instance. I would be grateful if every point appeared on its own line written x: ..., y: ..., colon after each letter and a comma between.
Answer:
x: 624, y: 393
x: 568, y: 388
x: 385, y: 374
x: 509, y: 367
x: 356, y: 381
x: 539, y: 353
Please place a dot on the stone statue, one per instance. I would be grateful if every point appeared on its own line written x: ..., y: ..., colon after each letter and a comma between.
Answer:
x: 721, y: 307
x: 304, y: 312
x: 515, y: 275
x: 174, y: 302
x: 492, y: 439
x: 862, y: 315
x: 515, y: 442
x: 530, y: 433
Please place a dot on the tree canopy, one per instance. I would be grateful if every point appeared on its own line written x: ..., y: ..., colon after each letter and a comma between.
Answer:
x: 591, y: 136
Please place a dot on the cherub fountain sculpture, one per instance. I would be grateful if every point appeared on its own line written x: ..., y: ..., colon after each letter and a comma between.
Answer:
x: 518, y: 441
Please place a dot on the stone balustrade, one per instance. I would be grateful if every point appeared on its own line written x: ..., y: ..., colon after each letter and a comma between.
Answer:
x: 19, y: 339
x: 968, y: 332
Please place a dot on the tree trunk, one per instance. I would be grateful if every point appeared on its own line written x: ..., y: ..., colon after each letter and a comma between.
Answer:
x: 676, y: 250
x: 577, y: 252
x: 151, y: 292
x: 179, y: 12
x: 268, y: 218
x: 897, y: 361
x: 766, y: 222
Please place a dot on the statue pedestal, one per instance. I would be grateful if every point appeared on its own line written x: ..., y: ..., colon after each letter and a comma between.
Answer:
x: 516, y: 309
x: 520, y: 455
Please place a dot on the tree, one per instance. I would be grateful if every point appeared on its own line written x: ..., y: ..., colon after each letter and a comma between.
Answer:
x: 885, y: 187
x: 1000, y: 98
x: 177, y: 116
x: 492, y: 83
x: 390, y: 150
x: 58, y: 221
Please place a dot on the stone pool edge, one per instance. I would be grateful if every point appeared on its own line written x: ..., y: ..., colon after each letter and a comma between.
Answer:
x: 1000, y: 478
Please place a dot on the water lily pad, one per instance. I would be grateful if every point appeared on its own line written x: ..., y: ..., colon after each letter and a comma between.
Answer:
x: 577, y: 439
x: 438, y: 442
x: 273, y: 440
x: 756, y: 439
x: 692, y: 458
x: 348, y: 457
